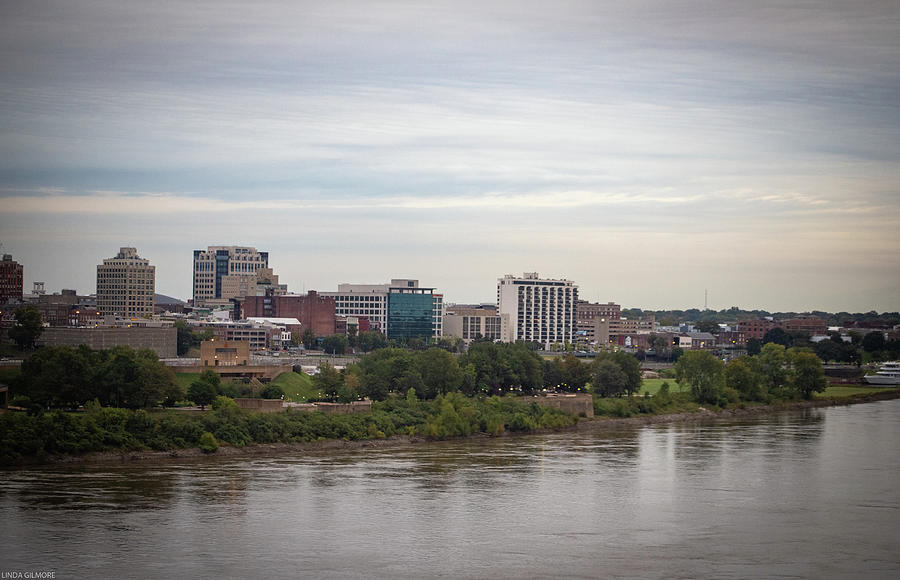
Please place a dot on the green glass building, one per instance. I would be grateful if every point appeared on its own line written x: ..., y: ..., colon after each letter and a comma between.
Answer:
x: 410, y: 313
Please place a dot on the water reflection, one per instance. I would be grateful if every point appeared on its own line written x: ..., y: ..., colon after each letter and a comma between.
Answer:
x: 743, y: 498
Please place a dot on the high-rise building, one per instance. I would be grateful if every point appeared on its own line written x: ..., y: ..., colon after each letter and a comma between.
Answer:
x: 126, y: 285
x: 12, y: 280
x: 539, y: 310
x: 224, y: 272
x: 402, y: 299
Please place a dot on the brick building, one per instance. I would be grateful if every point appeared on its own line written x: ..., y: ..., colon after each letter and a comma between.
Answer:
x: 312, y: 310
x: 11, y: 280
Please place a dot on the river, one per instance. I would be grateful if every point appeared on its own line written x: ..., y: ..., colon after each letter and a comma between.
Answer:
x: 801, y: 494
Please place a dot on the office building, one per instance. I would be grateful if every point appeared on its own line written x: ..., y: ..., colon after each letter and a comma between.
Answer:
x: 476, y: 321
x: 539, y: 310
x: 372, y: 302
x: 126, y: 285
x: 225, y: 272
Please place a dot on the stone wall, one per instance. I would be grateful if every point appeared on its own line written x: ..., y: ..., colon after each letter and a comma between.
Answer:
x: 577, y: 403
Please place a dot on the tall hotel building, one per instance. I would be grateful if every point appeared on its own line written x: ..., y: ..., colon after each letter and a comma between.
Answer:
x: 220, y: 271
x: 126, y: 285
x: 539, y: 310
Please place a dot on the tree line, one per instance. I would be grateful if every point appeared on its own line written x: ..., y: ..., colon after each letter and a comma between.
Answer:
x: 776, y: 373
x: 487, y: 368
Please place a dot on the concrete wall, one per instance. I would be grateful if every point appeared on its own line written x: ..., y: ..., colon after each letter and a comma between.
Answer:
x: 163, y: 341
x: 261, y: 405
x: 576, y: 403
x: 334, y: 408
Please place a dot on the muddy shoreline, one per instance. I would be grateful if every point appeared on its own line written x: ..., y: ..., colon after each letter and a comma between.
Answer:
x: 263, y: 450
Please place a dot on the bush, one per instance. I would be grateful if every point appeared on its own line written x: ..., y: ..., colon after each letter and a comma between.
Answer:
x: 208, y: 443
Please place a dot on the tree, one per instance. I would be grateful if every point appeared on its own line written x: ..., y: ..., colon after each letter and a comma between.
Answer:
x: 309, y: 339
x: 27, y: 327
x: 59, y: 376
x: 272, y: 392
x: 205, y: 389
x: 632, y: 369
x: 779, y: 336
x: 328, y: 380
x: 439, y: 372
x: 608, y: 379
x: 369, y: 340
x: 740, y: 376
x: 703, y: 372
x: 710, y: 326
x: 335, y: 344
x: 807, y: 375
x: 608, y: 383
x: 873, y: 341
x: 754, y: 346
x: 773, y: 368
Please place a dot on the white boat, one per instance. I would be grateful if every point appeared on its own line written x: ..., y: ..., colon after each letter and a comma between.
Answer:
x: 888, y: 374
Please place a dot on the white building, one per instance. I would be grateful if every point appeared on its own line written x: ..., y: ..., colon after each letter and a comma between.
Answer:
x: 126, y: 285
x: 224, y: 272
x: 539, y: 310
x: 371, y: 301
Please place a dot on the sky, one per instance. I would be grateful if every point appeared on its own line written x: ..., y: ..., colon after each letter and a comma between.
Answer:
x: 660, y: 154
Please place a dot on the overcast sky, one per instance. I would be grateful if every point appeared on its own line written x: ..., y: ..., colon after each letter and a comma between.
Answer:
x: 647, y: 150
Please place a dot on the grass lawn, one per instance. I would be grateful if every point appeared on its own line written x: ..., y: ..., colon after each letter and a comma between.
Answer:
x: 653, y: 385
x: 297, y: 387
x: 185, y: 379
x: 849, y: 390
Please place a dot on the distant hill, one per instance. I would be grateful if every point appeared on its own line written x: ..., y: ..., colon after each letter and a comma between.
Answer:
x: 163, y: 299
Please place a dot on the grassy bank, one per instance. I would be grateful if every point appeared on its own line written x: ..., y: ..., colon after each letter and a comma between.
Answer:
x: 26, y: 438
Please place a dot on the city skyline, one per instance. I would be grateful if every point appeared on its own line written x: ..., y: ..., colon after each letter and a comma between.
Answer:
x: 650, y: 152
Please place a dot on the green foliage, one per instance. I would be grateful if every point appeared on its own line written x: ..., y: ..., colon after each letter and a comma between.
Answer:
x: 272, y: 391
x: 208, y: 443
x: 328, y: 380
x: 871, y: 342
x: 807, y: 374
x: 109, y: 429
x: 704, y: 373
x: 501, y: 367
x: 187, y: 339
x: 741, y: 376
x: 335, y: 344
x: 772, y: 368
x: 309, y: 339
x: 66, y: 377
x: 205, y: 389
x: 27, y: 327
x: 616, y: 374
x: 369, y: 340
x: 567, y: 373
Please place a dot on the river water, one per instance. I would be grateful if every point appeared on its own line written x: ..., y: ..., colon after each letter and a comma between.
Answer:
x: 806, y: 494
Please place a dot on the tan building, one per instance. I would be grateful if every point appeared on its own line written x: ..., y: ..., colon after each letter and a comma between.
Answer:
x: 126, y: 285
x: 225, y: 272
x: 471, y: 322
x: 218, y: 353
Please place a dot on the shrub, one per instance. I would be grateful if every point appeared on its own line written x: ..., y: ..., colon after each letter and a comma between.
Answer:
x: 208, y: 443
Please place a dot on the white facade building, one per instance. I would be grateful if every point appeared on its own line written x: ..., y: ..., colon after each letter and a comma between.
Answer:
x: 539, y: 310
x: 126, y: 285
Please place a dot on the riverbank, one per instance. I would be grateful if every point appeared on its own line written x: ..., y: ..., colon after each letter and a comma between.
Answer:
x: 263, y: 450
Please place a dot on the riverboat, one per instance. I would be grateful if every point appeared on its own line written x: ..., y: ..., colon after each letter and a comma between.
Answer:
x: 888, y: 374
